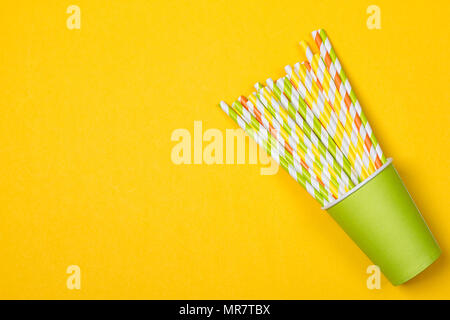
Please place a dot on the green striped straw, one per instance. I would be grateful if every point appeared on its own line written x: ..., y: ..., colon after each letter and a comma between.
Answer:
x: 302, y: 113
x: 286, y: 87
x: 274, y: 154
x: 296, y: 142
x: 293, y: 140
x: 349, y: 90
x: 273, y: 127
x: 343, y: 169
x: 347, y: 145
x: 279, y: 145
x: 348, y: 170
x: 293, y: 95
x: 326, y: 175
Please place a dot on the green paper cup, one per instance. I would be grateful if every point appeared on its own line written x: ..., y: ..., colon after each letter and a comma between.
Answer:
x: 382, y: 219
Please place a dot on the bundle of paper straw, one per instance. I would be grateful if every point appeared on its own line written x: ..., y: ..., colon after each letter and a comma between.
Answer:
x: 312, y: 124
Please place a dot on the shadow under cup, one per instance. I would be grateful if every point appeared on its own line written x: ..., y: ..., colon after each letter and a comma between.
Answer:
x: 380, y: 216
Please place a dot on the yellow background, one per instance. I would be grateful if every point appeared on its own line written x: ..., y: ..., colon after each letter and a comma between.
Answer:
x: 86, y: 118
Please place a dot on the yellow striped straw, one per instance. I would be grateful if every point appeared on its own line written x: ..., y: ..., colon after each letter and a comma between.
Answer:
x: 326, y: 174
x: 339, y: 136
x: 319, y: 68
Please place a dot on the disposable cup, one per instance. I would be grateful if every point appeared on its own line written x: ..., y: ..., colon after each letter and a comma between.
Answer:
x: 380, y: 216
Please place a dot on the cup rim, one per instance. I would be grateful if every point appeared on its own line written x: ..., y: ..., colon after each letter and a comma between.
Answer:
x: 358, y: 186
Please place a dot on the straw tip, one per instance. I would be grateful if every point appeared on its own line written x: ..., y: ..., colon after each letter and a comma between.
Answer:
x: 319, y: 32
x: 223, y: 104
x: 280, y: 82
x: 305, y: 46
x: 269, y: 82
x: 258, y: 86
x: 288, y: 69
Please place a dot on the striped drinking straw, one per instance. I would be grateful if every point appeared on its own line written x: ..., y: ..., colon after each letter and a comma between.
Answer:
x: 329, y: 55
x: 313, y: 129
x: 348, y: 115
x: 336, y: 100
x: 338, y: 167
x: 338, y: 161
x: 330, y: 121
x: 287, y: 138
x: 347, y: 112
x: 294, y: 137
x: 270, y: 96
x: 263, y: 143
x: 314, y: 87
x: 341, y: 144
x: 326, y: 175
x: 280, y: 145
x: 311, y: 123
x: 347, y: 179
